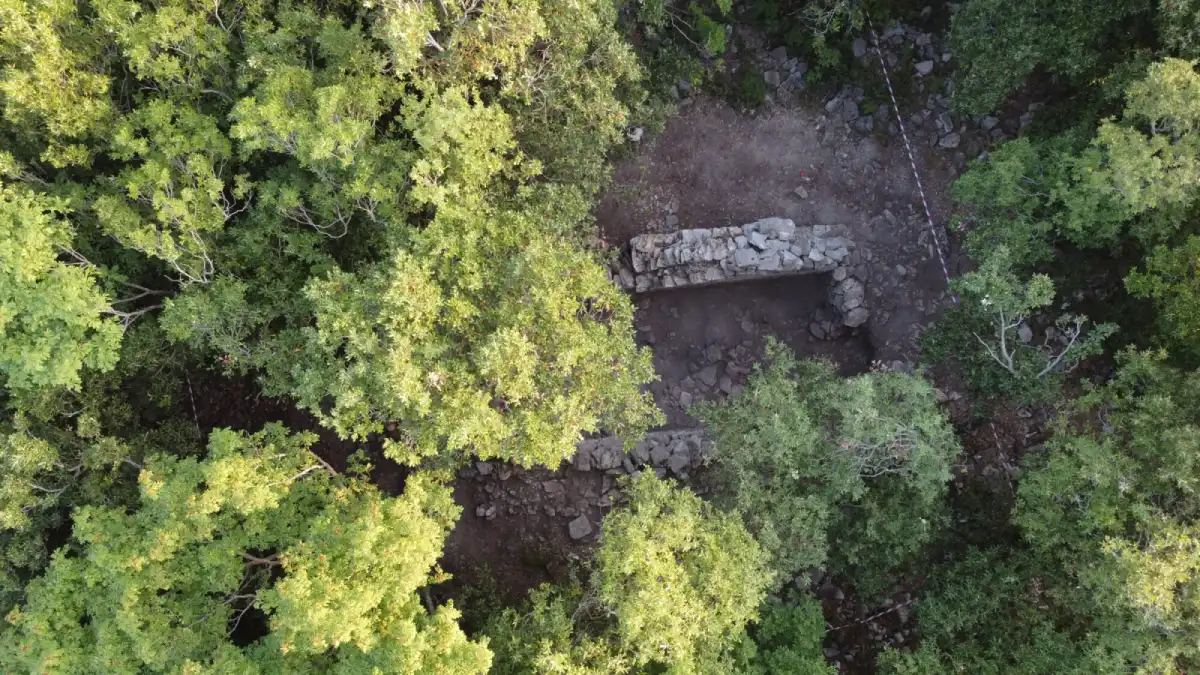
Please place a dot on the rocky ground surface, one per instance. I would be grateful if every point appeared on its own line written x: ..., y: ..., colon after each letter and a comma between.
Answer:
x: 816, y: 158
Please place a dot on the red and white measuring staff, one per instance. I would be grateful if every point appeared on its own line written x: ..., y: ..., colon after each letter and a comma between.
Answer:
x: 937, y: 244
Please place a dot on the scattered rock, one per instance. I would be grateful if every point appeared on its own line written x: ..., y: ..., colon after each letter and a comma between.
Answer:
x: 1024, y: 333
x: 678, y: 463
x: 579, y: 528
x: 583, y: 461
x: 659, y: 455
x: 857, y: 317
x: 924, y: 68
x: 950, y: 141
x: 859, y: 48
x: 801, y: 192
x: 635, y: 134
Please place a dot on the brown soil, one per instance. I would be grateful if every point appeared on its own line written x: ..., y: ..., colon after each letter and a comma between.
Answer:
x: 688, y: 328
x: 237, y: 403
x: 713, y: 166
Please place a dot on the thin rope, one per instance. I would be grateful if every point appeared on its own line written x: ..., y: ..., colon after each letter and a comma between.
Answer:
x: 912, y: 162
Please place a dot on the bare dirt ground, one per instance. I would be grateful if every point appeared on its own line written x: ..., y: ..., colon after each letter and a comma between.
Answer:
x: 714, y: 166
x: 718, y: 332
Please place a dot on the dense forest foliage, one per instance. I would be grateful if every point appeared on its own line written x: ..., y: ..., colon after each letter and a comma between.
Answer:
x: 380, y: 213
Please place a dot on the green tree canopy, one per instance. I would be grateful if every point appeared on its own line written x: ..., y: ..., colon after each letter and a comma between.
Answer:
x: 376, y: 208
x: 1104, y: 577
x: 54, y: 320
x: 674, y: 584
x: 823, y: 466
x: 262, y: 526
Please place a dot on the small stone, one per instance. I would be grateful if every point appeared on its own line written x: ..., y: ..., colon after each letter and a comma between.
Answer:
x: 678, y: 463
x: 771, y: 78
x: 635, y: 134
x: 839, y: 274
x: 745, y: 258
x: 672, y: 220
x: 945, y: 123
x: 580, y: 527
x: 685, y: 398
x: 833, y: 105
x: 857, y: 317
x: 484, y: 468
x: 901, y: 270
x: 758, y: 240
x: 659, y: 455
x: 924, y: 68
x: 1024, y: 333
x: 859, y: 47
x: 583, y: 461
x: 818, y: 330
x: 641, y: 453
x: 481, y: 510
x: 708, y: 375
x: 726, y: 384
x: 801, y: 192
x: 988, y: 123
x: 950, y: 141
x: 713, y: 352
x: 779, y: 54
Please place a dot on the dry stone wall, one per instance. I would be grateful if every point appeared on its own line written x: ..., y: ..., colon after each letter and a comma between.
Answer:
x: 675, y: 451
x: 765, y: 248
x: 771, y: 247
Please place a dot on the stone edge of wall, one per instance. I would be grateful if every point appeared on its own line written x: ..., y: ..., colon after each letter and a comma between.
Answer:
x: 767, y: 248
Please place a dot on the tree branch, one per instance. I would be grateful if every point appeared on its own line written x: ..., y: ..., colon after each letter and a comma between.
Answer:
x: 1075, y: 333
